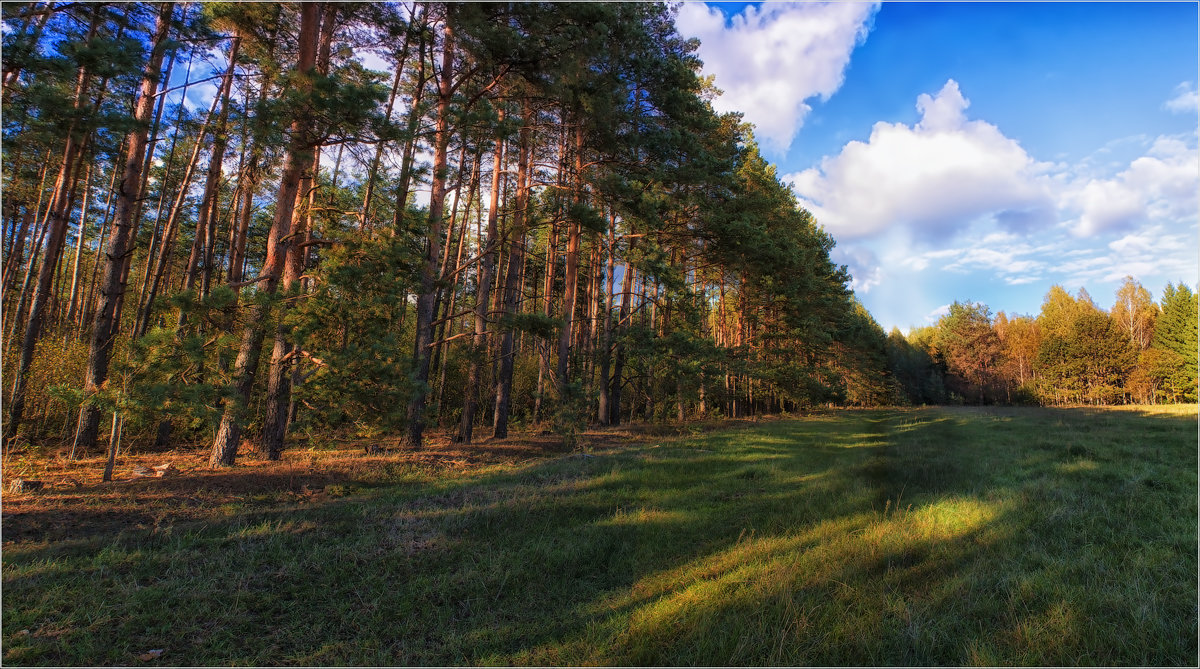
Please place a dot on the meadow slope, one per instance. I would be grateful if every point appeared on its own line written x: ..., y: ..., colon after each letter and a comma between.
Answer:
x: 911, y: 536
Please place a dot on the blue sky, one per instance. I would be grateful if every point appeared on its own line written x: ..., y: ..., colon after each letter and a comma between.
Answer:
x: 975, y: 151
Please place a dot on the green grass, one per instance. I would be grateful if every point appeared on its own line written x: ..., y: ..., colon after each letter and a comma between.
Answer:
x: 931, y: 536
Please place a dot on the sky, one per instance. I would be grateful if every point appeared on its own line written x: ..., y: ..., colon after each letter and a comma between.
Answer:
x: 976, y: 152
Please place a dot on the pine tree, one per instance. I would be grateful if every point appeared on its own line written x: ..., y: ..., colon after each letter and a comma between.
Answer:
x: 1175, y: 338
x: 123, y: 232
x: 298, y: 158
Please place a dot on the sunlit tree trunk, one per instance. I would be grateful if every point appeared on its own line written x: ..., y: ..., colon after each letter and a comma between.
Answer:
x: 12, y: 73
x: 278, y: 384
x: 199, y: 267
x: 487, y: 262
x: 298, y: 158
x: 142, y: 324
x: 16, y: 249
x: 57, y: 229
x: 13, y: 264
x: 106, y: 321
x: 157, y: 241
x: 422, y: 347
x: 248, y: 181
x: 571, y: 277
x: 604, y: 412
x: 80, y: 238
x: 512, y: 283
x: 617, y: 384
x: 457, y: 269
x: 373, y: 171
x: 410, y: 139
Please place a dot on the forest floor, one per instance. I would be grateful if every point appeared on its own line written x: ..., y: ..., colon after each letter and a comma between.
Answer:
x: 941, y: 536
x: 75, y: 502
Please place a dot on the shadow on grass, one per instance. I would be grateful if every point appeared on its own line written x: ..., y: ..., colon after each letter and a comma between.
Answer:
x: 884, y: 537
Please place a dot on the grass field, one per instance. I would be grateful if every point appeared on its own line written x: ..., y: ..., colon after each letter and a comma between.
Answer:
x: 911, y: 537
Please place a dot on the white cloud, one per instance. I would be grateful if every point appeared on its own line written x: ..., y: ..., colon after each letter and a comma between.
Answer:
x: 945, y: 112
x: 1001, y: 255
x: 205, y: 78
x: 1107, y: 204
x: 920, y: 261
x: 927, y: 225
x: 1153, y: 251
x: 1021, y: 280
x: 199, y: 96
x: 1160, y: 185
x: 947, y: 174
x: 373, y: 61
x: 941, y: 174
x: 1185, y: 100
x: 933, y: 316
x: 865, y: 271
x: 1001, y: 260
x: 770, y: 59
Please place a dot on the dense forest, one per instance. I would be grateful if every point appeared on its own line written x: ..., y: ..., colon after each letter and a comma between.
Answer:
x: 389, y: 217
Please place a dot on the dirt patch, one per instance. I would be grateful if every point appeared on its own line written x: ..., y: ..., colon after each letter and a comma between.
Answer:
x: 74, y: 503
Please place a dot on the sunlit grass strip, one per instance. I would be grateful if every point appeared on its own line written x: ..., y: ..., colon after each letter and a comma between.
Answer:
x: 945, y: 537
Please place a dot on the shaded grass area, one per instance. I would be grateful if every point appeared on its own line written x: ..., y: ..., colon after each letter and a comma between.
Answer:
x: 924, y: 536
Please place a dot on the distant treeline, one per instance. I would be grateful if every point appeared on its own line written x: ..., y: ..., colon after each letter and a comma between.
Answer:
x: 1072, y: 352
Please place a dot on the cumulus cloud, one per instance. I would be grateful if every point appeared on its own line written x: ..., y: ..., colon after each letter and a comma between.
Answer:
x: 1153, y: 251
x: 919, y: 262
x: 1004, y: 261
x: 865, y: 271
x: 940, y: 174
x: 946, y: 172
x: 770, y: 59
x: 1166, y: 251
x: 1160, y: 185
x: 952, y: 204
x: 946, y: 112
x: 1184, y: 101
x: 199, y: 96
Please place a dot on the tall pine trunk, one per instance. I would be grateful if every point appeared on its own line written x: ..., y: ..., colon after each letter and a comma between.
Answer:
x: 512, y: 283
x: 200, y: 258
x: 373, y: 170
x: 57, y: 222
x: 487, y: 263
x: 298, y: 158
x: 248, y: 180
x: 447, y: 329
x: 157, y: 240
x: 142, y: 323
x: 616, y: 384
x: 12, y: 262
x: 120, y: 242
x: 12, y: 73
x: 73, y: 300
x: 571, y: 278
x: 410, y: 139
x: 603, y: 410
x: 278, y: 383
x: 544, y: 346
x: 422, y: 347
